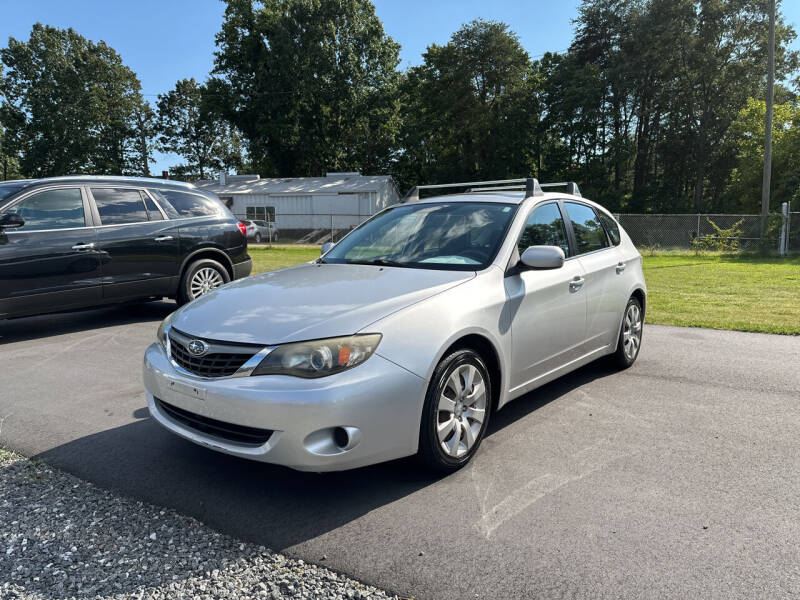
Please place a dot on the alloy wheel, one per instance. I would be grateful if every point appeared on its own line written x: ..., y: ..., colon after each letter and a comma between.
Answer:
x: 461, y: 410
x: 632, y: 331
x: 205, y: 280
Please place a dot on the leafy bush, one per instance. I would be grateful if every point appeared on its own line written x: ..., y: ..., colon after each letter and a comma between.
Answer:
x: 722, y: 240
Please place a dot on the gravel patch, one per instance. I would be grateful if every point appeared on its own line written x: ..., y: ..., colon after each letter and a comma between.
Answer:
x: 62, y: 538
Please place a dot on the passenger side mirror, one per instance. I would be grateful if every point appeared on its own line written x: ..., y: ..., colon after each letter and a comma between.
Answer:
x: 326, y: 246
x: 11, y: 220
x: 543, y: 257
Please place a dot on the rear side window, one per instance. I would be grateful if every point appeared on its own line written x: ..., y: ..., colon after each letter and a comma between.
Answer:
x: 152, y: 210
x: 611, y: 227
x: 545, y: 227
x: 118, y: 206
x: 589, y: 232
x: 191, y: 205
x: 51, y: 209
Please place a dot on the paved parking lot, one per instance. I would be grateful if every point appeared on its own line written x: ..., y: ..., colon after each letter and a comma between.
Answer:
x: 677, y: 478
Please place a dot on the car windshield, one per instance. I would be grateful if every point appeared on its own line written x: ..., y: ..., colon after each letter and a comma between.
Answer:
x: 463, y: 236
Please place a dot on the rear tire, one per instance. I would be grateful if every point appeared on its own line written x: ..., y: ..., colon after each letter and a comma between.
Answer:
x: 456, y: 413
x: 630, y: 335
x: 199, y: 278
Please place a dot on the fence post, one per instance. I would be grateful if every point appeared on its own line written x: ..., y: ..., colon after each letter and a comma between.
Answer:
x: 783, y: 247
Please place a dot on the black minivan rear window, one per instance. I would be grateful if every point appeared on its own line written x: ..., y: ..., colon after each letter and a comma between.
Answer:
x: 187, y: 204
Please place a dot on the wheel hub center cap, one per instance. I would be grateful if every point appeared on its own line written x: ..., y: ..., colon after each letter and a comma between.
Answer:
x: 459, y: 409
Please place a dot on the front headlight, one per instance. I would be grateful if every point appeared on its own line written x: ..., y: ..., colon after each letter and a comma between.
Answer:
x: 161, y: 334
x: 319, y: 358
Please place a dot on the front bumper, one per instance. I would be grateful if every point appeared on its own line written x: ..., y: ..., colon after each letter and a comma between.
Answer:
x: 380, y: 402
x: 243, y: 269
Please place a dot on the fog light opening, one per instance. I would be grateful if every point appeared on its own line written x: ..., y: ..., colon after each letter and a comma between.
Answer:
x: 341, y: 438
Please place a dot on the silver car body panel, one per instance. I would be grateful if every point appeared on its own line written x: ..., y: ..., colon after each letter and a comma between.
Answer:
x: 540, y: 324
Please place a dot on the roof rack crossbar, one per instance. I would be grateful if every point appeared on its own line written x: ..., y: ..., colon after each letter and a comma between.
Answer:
x: 572, y: 187
x: 499, y: 188
x: 532, y: 187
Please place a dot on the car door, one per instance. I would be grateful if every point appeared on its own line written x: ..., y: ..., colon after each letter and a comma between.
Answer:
x: 547, y: 306
x: 51, y: 262
x: 139, y: 244
x: 602, y: 265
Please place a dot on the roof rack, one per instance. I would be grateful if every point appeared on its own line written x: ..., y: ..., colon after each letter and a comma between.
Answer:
x: 572, y: 187
x: 532, y: 187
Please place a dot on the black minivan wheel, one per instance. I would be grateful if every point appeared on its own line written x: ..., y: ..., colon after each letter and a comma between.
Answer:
x: 456, y: 411
x: 630, y: 335
x: 201, y: 277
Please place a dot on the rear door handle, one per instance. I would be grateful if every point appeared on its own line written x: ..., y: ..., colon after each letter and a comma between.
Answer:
x: 620, y: 267
x: 576, y: 284
x: 88, y: 246
x: 164, y: 238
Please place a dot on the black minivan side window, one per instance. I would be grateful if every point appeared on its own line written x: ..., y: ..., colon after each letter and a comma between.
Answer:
x: 51, y: 209
x: 152, y: 209
x: 589, y: 232
x: 544, y: 227
x: 191, y: 205
x: 118, y: 205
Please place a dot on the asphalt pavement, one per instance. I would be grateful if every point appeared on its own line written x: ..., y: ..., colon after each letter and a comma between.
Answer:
x: 679, y: 477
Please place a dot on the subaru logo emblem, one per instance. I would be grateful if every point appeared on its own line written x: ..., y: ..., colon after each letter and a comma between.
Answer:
x: 197, y: 347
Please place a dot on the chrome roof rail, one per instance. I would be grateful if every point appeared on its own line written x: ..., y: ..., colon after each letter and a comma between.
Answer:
x: 532, y: 187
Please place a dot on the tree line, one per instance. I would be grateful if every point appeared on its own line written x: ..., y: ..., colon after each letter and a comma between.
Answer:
x: 656, y: 106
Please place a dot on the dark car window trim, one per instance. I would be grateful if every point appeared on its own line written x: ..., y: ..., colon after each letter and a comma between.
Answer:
x: 27, y: 193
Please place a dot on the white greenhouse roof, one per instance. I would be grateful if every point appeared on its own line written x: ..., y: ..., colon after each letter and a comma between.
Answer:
x: 333, y: 183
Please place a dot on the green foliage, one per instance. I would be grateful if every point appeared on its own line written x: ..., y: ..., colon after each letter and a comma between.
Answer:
x: 310, y: 84
x: 188, y: 125
x: 69, y: 105
x: 722, y: 240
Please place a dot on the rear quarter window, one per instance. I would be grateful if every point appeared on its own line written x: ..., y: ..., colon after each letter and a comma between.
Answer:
x: 611, y: 227
x: 188, y: 204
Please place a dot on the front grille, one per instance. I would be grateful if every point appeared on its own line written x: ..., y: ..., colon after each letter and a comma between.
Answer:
x: 213, y: 364
x: 237, y: 434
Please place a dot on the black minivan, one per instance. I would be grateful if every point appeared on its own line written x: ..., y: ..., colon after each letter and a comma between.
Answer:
x: 79, y: 241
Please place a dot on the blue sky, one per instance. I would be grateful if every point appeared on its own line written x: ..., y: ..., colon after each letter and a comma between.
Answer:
x: 167, y: 40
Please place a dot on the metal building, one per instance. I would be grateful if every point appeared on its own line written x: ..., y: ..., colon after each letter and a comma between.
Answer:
x: 306, y: 208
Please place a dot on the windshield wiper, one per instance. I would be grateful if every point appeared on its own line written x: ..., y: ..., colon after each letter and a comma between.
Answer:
x: 381, y: 262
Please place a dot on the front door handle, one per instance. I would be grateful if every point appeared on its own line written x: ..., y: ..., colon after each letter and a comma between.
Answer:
x: 88, y: 246
x: 620, y: 267
x: 576, y: 284
x: 164, y: 238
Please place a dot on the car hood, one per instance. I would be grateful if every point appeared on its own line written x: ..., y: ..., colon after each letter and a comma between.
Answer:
x: 309, y: 301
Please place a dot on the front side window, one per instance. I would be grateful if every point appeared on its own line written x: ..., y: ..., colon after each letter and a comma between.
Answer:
x: 118, y: 206
x: 461, y: 236
x: 545, y: 227
x: 589, y: 232
x: 191, y: 205
x: 51, y: 209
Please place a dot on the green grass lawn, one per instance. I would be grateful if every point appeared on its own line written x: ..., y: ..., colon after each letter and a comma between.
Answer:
x: 746, y: 293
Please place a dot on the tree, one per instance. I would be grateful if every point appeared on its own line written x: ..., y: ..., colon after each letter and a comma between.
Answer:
x: 470, y: 110
x: 188, y: 126
x: 69, y: 105
x: 311, y: 84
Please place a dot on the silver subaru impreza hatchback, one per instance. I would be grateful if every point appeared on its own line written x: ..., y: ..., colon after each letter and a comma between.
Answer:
x: 405, y: 336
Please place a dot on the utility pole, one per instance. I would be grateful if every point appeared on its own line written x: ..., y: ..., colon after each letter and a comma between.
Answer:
x: 768, y: 125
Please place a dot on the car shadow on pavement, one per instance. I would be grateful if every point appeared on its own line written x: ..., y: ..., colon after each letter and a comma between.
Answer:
x: 53, y: 324
x: 269, y: 505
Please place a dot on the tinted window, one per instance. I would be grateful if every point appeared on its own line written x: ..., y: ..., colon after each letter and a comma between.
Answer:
x: 545, y: 227
x: 7, y: 189
x: 117, y: 205
x: 152, y: 210
x: 589, y: 233
x: 51, y: 209
x: 611, y: 227
x: 191, y: 205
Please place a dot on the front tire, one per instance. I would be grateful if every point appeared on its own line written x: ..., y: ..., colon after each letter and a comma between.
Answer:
x: 258, y: 238
x: 630, y: 335
x: 201, y: 277
x: 456, y: 412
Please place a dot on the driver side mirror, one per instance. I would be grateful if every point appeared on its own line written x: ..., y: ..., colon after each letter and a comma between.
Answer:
x: 543, y: 257
x: 11, y: 220
x: 326, y: 246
